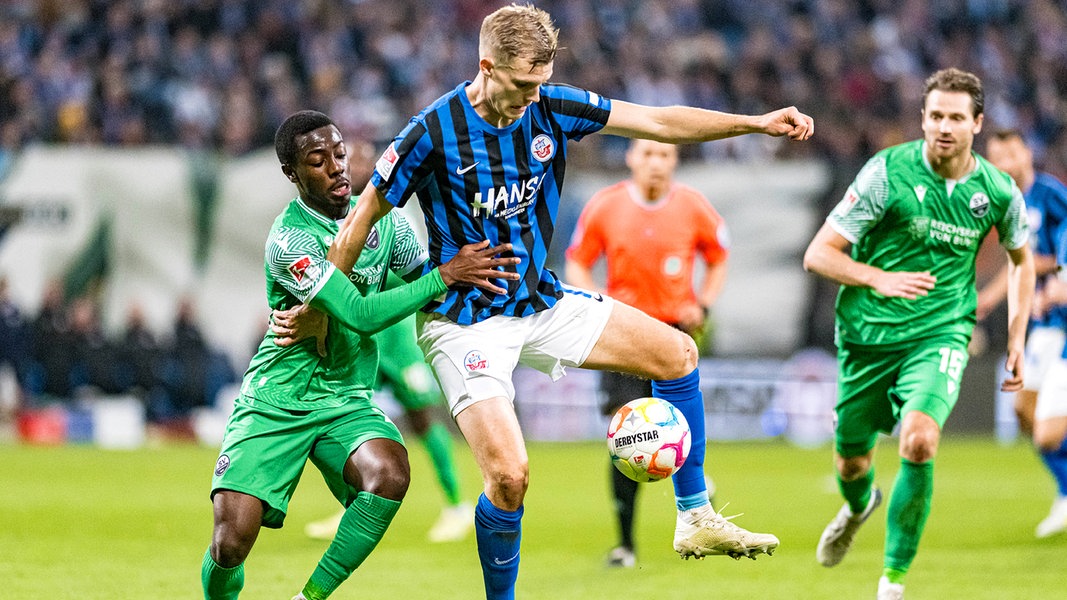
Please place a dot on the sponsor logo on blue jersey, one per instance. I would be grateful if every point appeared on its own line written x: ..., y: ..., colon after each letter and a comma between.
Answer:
x: 505, y: 202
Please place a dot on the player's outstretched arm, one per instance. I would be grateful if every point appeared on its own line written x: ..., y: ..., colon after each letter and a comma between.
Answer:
x: 826, y: 256
x: 686, y: 124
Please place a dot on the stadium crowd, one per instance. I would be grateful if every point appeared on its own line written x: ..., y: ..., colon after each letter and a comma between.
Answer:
x: 223, y: 74
x: 62, y: 355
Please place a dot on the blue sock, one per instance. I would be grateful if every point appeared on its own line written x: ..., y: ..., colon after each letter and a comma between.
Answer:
x: 498, y: 533
x: 690, y: 489
x: 1056, y: 461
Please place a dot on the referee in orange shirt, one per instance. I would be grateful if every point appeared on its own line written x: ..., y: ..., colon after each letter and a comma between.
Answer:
x: 650, y: 230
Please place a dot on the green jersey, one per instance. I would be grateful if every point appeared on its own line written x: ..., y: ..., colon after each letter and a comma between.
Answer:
x: 901, y: 216
x: 296, y: 377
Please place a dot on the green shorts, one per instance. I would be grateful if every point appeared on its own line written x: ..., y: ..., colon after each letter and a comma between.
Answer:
x: 877, y: 387
x: 266, y: 447
x: 402, y: 367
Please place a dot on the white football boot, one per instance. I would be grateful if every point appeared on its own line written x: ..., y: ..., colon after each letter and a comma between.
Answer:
x: 837, y: 537
x: 890, y: 591
x: 622, y: 557
x: 1056, y: 521
x: 454, y: 524
x: 704, y: 532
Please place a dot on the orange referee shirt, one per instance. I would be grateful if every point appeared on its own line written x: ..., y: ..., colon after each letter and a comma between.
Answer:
x: 650, y: 247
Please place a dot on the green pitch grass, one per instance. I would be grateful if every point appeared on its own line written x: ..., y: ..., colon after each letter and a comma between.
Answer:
x: 76, y: 522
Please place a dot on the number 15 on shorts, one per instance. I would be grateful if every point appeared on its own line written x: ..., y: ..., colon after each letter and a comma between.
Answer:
x: 952, y: 363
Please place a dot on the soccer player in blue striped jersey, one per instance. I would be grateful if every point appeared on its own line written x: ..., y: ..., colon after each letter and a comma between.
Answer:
x: 1042, y: 403
x: 487, y: 161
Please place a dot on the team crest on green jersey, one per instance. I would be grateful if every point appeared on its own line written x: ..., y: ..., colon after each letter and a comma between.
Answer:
x: 979, y: 205
x: 919, y: 227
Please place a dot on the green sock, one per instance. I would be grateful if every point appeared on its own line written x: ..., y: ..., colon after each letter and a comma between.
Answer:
x: 894, y: 575
x: 221, y: 583
x: 909, y: 505
x: 362, y: 527
x: 858, y: 491
x: 438, y: 443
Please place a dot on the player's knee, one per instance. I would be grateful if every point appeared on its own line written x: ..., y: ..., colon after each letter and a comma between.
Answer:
x: 690, y: 354
x: 1044, y: 444
x: 507, y: 486
x: 391, y: 481
x: 919, y: 446
x: 1046, y: 440
x: 680, y: 358
x: 230, y: 550
x: 853, y: 467
x: 919, y: 437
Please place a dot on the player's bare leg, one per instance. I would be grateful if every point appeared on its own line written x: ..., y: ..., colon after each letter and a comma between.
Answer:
x: 237, y: 519
x: 1025, y: 404
x: 493, y: 434
x: 633, y: 342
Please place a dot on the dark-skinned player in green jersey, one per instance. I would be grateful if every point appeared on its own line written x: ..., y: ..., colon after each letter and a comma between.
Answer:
x: 915, y: 216
x: 296, y: 404
x: 403, y: 370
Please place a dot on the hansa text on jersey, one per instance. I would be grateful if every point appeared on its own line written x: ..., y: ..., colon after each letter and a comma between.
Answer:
x: 506, y: 201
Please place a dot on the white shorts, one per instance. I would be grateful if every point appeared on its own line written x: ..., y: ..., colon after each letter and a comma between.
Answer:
x: 1052, y: 399
x: 475, y: 362
x: 1044, y: 346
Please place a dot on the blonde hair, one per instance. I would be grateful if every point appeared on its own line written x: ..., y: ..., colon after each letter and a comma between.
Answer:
x: 519, y: 31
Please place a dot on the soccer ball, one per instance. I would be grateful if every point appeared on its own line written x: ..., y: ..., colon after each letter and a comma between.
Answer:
x: 648, y: 439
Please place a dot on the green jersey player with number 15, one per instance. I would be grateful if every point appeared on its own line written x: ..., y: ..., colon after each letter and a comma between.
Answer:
x: 297, y: 404
x: 915, y: 216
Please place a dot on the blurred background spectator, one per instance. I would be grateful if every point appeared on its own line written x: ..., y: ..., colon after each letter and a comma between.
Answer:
x: 64, y: 356
x: 14, y: 352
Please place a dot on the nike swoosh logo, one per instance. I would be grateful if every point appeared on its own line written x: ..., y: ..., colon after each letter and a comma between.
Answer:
x: 461, y: 171
x: 598, y: 297
x: 504, y: 562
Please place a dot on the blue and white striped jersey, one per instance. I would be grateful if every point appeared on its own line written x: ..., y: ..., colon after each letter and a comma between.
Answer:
x: 1046, y: 203
x: 478, y: 182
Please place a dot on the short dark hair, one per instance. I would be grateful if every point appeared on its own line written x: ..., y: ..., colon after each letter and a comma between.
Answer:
x: 296, y: 124
x: 957, y: 80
